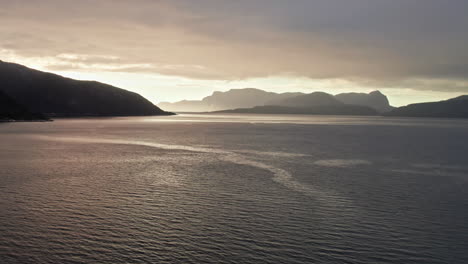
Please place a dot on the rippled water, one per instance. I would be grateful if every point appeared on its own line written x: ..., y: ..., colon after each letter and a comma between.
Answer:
x: 234, y: 189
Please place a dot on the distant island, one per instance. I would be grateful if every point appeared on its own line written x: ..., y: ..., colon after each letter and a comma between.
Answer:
x: 56, y: 96
x: 250, y: 100
x: 317, y: 103
x: 235, y: 98
x: 452, y: 108
x: 251, y: 97
x: 256, y: 101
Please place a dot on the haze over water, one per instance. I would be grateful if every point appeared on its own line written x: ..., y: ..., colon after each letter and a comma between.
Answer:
x: 234, y: 189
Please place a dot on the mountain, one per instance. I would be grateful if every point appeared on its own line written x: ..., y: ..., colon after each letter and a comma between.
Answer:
x: 453, y: 108
x: 374, y: 99
x: 11, y: 110
x: 250, y: 97
x: 235, y: 98
x: 342, y: 109
x: 317, y: 103
x: 55, y: 95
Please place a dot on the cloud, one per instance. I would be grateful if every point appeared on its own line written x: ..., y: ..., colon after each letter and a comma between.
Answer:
x: 372, y: 42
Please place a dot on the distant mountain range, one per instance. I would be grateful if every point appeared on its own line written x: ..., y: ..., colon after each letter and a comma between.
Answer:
x: 317, y: 103
x: 54, y: 95
x: 235, y: 98
x: 324, y: 104
x: 250, y: 97
x: 453, y: 108
x: 251, y: 100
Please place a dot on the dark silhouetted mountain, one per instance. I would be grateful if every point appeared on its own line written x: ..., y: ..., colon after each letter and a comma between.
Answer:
x: 12, y: 111
x: 341, y: 109
x: 55, y: 95
x: 235, y: 98
x: 250, y: 97
x: 452, y: 108
x: 374, y: 99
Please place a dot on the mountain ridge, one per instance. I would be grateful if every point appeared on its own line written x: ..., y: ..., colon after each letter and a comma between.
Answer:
x: 55, y: 95
x: 251, y: 97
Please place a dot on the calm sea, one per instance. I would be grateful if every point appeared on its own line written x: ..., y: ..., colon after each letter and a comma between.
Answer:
x: 234, y: 189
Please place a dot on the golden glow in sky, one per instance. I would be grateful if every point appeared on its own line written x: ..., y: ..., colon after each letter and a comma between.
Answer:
x: 167, y: 88
x: 412, y: 51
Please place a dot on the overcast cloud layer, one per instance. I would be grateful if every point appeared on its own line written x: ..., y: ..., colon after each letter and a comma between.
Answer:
x: 420, y: 44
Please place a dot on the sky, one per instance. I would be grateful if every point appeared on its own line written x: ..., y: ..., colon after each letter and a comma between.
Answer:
x: 169, y: 50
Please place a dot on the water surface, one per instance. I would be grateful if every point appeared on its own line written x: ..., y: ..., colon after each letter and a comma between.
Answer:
x: 234, y: 189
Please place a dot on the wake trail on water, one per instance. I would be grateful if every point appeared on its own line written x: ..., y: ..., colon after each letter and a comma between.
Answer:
x: 280, y: 176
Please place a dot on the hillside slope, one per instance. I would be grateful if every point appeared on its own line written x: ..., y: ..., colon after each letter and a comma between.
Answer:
x: 55, y: 95
x: 453, y: 108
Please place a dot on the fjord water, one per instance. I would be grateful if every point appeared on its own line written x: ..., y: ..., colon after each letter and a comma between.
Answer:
x: 234, y: 189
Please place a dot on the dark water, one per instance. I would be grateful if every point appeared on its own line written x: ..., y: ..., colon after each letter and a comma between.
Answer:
x: 234, y: 189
